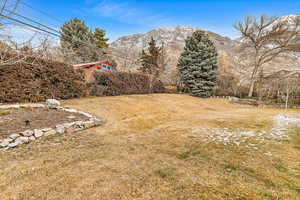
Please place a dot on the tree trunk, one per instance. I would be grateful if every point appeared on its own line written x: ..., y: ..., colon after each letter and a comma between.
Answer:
x: 250, y: 94
x: 287, y: 98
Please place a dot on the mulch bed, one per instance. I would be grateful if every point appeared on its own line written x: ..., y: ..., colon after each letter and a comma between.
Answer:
x: 13, y: 120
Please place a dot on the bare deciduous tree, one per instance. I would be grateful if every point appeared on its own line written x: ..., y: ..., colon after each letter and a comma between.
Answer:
x: 265, y: 38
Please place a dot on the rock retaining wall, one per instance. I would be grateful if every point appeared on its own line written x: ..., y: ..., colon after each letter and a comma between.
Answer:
x: 16, y: 139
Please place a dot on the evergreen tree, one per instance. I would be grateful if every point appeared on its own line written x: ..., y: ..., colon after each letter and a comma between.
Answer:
x: 150, y: 59
x: 101, y: 41
x: 197, y: 65
x: 78, y: 42
x: 74, y: 34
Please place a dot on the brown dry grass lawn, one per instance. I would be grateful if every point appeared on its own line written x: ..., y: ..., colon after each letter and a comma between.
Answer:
x: 146, y: 150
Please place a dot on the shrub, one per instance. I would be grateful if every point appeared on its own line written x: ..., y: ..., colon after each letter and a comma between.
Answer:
x: 33, y: 79
x: 121, y: 83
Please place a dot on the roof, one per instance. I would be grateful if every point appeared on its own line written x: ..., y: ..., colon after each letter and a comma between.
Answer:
x: 91, y: 63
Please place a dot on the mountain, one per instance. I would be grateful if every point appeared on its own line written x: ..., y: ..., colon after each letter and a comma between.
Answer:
x: 126, y: 50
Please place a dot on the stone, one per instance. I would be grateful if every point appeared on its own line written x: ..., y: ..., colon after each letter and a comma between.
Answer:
x: 88, y: 124
x: 66, y: 125
x: 22, y: 140
x: 4, y: 144
x: 52, y: 103
x: 14, y: 135
x: 97, y: 122
x: 70, y: 110
x: 71, y: 117
x: 79, y: 125
x: 50, y: 132
x: 37, y: 105
x: 32, y: 138
x: 9, y: 106
x: 13, y: 144
x: 4, y: 149
x: 27, y: 133
x: 85, y: 114
x: 59, y: 108
x: 60, y: 129
x: 24, y: 105
x: 38, y: 133
x: 46, y: 129
x: 8, y: 140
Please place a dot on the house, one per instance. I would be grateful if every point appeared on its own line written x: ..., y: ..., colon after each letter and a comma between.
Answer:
x: 89, y: 68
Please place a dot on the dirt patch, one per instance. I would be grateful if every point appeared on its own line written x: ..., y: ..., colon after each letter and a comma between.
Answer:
x: 13, y: 120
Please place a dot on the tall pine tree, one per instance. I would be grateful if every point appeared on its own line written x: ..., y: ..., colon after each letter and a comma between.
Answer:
x: 150, y: 59
x: 197, y: 65
x: 75, y: 34
x: 80, y: 44
x: 101, y: 41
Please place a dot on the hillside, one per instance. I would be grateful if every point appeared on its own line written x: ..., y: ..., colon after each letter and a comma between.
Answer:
x: 128, y: 48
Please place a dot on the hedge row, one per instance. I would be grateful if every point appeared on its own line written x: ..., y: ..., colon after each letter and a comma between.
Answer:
x: 32, y: 79
x: 122, y: 83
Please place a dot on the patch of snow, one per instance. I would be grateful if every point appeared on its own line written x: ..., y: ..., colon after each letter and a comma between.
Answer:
x: 223, y: 135
x: 284, y: 120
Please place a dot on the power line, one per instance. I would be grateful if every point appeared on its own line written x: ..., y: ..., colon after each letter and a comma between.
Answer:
x: 54, y: 34
x: 3, y: 7
x: 30, y: 25
x: 42, y: 12
x: 31, y: 20
x: 14, y: 6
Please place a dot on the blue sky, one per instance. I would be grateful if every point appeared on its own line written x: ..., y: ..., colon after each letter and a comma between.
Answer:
x: 120, y: 18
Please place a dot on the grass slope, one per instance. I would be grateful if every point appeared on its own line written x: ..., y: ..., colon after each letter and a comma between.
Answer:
x: 146, y: 150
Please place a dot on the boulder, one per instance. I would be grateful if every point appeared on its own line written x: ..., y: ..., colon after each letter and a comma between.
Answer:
x: 13, y: 144
x: 4, y: 144
x: 50, y: 132
x: 85, y: 114
x: 70, y: 110
x: 22, y: 140
x: 36, y: 105
x: 10, y: 106
x: 60, y: 129
x: 27, y: 133
x: 38, y: 133
x: 14, y: 135
x: 88, y: 124
x: 46, y: 129
x: 32, y: 138
x: 97, y: 122
x: 52, y: 103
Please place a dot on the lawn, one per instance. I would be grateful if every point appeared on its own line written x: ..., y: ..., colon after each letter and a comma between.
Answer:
x: 159, y: 147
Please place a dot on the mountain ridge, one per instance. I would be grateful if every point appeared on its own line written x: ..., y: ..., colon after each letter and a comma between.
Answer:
x: 129, y: 47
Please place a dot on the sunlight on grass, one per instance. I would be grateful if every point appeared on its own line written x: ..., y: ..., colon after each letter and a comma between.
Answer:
x: 4, y: 112
x: 243, y: 124
x: 146, y: 150
x: 295, y: 135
